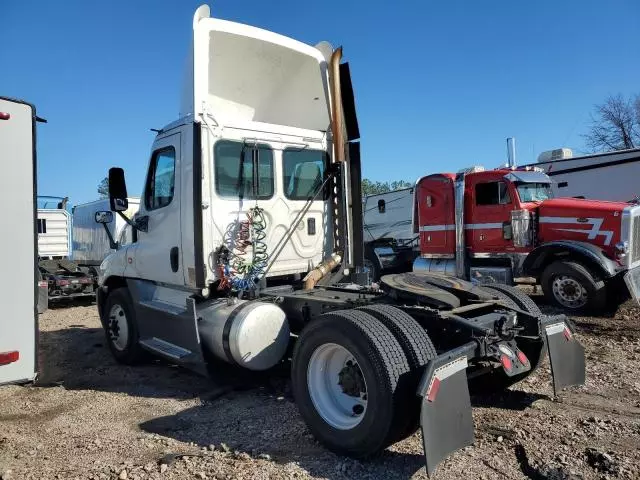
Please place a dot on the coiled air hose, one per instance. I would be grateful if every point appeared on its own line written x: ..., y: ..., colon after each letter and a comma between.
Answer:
x: 245, y: 259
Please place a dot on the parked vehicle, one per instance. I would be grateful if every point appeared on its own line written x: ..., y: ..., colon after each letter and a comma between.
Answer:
x: 592, y: 176
x: 249, y: 191
x: 90, y: 244
x: 20, y: 292
x: 390, y: 243
x: 499, y: 225
x: 65, y: 278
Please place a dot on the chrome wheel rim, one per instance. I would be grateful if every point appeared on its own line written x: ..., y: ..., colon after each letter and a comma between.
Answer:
x: 337, y: 386
x: 569, y: 292
x: 118, y: 327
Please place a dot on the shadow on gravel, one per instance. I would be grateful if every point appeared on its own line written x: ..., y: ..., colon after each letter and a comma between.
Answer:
x: 507, y: 399
x: 263, y: 422
x: 78, y: 358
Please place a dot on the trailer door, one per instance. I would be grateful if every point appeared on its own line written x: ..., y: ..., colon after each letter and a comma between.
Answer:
x: 18, y: 322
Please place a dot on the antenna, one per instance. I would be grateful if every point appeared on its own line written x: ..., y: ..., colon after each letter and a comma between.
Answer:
x: 511, y: 151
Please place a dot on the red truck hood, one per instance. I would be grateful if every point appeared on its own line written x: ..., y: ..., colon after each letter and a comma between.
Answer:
x: 594, y: 221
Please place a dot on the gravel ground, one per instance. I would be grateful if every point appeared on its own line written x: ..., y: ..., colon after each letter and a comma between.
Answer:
x: 91, y: 418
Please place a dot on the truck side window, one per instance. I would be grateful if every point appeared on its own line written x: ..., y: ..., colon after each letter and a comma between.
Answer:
x: 303, y: 172
x: 492, y: 193
x: 161, y: 179
x: 234, y: 170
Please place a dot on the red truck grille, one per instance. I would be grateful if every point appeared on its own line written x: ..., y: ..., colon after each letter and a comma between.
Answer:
x: 635, y: 239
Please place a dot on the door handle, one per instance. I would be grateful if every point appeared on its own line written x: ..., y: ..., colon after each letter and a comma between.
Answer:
x: 173, y: 259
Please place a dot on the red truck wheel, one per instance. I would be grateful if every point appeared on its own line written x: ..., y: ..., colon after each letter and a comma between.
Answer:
x: 572, y: 286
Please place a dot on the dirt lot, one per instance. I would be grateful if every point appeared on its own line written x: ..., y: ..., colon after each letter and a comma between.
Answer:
x: 90, y: 418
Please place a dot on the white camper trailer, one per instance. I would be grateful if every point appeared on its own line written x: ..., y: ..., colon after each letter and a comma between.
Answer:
x: 602, y: 176
x: 19, y: 291
x: 389, y: 240
x: 90, y: 243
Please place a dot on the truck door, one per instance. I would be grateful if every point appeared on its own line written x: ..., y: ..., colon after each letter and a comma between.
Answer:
x: 490, y: 205
x: 156, y: 255
x: 436, y: 215
x: 18, y: 324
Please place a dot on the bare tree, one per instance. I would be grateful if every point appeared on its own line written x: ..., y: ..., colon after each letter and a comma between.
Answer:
x: 615, y: 125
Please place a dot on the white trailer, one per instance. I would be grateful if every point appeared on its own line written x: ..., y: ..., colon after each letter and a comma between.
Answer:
x: 19, y: 292
x: 389, y: 240
x: 90, y: 243
x: 54, y: 233
x: 602, y: 176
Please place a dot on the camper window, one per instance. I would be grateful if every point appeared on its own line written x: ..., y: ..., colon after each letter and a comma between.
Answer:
x: 161, y: 179
x: 303, y: 172
x: 234, y: 175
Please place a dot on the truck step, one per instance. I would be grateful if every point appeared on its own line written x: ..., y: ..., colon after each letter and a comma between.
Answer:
x: 165, y: 348
x: 165, y: 307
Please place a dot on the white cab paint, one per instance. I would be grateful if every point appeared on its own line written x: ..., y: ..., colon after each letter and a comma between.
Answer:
x: 247, y: 85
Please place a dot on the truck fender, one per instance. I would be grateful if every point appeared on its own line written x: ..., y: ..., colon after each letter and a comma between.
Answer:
x: 590, y: 254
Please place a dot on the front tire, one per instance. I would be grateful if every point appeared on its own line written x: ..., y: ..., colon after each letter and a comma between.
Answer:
x: 573, y: 287
x: 121, y: 328
x: 349, y: 378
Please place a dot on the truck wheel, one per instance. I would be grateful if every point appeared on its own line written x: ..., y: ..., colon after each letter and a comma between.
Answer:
x: 519, y: 298
x: 417, y: 347
x: 573, y: 287
x: 371, y: 262
x: 121, y: 328
x: 348, y: 379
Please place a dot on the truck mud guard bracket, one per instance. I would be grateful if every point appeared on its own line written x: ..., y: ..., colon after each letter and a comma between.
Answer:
x: 445, y: 417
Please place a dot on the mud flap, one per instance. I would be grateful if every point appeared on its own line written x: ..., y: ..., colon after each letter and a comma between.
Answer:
x: 566, y: 355
x: 446, y: 420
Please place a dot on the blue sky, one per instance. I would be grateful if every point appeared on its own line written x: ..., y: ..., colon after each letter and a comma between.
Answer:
x: 439, y: 85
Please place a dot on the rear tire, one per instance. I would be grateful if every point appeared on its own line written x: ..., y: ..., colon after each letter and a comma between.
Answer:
x: 521, y: 300
x: 417, y: 346
x: 121, y: 328
x: 573, y: 287
x: 374, y: 390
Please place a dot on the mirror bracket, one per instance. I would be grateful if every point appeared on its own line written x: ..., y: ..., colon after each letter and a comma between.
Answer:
x: 141, y: 223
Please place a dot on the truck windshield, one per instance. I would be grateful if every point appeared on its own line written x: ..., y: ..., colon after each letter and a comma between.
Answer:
x: 534, y: 192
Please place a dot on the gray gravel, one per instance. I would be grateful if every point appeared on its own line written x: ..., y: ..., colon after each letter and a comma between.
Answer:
x: 90, y: 418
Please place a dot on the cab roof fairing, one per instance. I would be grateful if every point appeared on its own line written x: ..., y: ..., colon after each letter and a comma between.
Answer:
x: 246, y: 77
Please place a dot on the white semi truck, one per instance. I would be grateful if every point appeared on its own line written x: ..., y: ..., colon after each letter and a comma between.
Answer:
x: 249, y: 242
x: 21, y: 294
x: 66, y: 279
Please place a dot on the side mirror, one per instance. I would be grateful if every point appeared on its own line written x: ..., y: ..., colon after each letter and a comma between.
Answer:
x: 104, y: 217
x: 117, y: 190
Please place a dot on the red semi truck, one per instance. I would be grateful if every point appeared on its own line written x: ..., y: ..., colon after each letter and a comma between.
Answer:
x: 504, y: 224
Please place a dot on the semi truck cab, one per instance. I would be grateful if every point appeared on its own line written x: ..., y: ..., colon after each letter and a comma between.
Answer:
x: 505, y: 224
